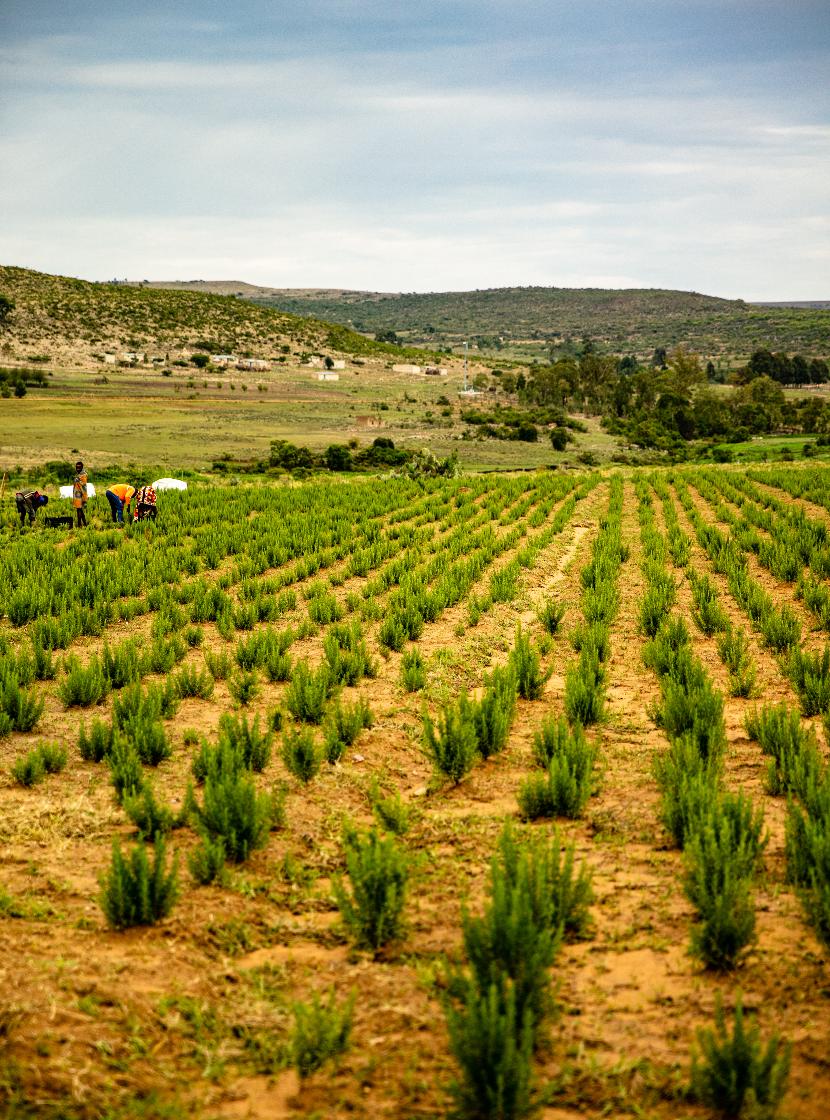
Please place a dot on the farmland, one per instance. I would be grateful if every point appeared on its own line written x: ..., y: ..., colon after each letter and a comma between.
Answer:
x: 284, y: 773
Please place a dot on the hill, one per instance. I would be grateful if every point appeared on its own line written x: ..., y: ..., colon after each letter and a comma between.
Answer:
x: 532, y: 322
x: 75, y: 322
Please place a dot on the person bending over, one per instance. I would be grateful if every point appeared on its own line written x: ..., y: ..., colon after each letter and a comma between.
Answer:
x: 119, y: 497
x: 28, y: 503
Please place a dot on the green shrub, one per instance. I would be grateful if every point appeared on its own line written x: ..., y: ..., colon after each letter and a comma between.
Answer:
x: 218, y: 664
x: 391, y: 812
x: 493, y: 714
x: 301, y: 755
x: 656, y: 604
x: 413, y: 671
x: 709, y: 616
x: 378, y: 870
x: 795, y: 753
x: 206, y: 862
x: 493, y: 1046
x: 136, y: 893
x: 734, y: 652
x: 308, y: 692
x: 232, y: 811
x: 688, y: 783
x: 514, y: 937
x: 525, y: 666
x: 321, y: 1032
x: 781, y: 630
x: 810, y: 674
x: 252, y: 744
x: 150, y: 817
x: 585, y: 692
x: 53, y: 756
x: 149, y: 738
x: 695, y: 714
x: 550, y: 614
x: 563, y: 791
x: 346, y: 654
x: 454, y: 746
x: 343, y: 725
x: 560, y: 894
x: 28, y: 770
x: 122, y: 665
x: 189, y: 682
x: 94, y: 745
x: 735, y: 1068
x: 727, y: 926
x: 126, y: 771
x: 83, y: 686
x: 243, y: 686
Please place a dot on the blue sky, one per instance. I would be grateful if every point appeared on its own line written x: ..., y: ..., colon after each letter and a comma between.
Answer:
x: 420, y: 146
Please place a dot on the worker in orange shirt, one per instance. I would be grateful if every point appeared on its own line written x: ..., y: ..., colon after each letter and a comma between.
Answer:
x: 119, y: 497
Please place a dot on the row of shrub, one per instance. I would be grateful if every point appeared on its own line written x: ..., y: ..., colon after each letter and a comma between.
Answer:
x: 719, y: 833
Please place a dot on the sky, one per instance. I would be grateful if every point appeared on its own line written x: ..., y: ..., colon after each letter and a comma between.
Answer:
x: 429, y: 146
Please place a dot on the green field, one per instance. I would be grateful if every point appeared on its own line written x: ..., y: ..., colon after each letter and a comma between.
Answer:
x: 319, y: 799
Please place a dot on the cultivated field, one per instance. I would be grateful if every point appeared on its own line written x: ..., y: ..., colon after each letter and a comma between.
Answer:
x: 417, y: 784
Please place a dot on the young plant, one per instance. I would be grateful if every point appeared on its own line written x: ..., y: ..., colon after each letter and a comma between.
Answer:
x: 206, y: 862
x: 136, y: 892
x: 413, y: 671
x: 321, y: 1032
x: 149, y: 816
x: 308, y: 692
x: 453, y: 747
x: 525, y: 666
x: 392, y: 812
x: 550, y: 614
x: 734, y: 1067
x: 378, y: 870
x: 585, y: 692
x: 301, y: 755
x: 493, y: 1046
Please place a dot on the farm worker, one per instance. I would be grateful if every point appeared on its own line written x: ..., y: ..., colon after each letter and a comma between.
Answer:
x: 145, y: 504
x: 79, y: 494
x: 29, y: 501
x: 119, y: 497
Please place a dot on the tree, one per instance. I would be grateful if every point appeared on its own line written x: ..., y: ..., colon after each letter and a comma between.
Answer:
x: 684, y: 370
x: 6, y: 308
x: 338, y: 457
x: 328, y: 362
x: 200, y: 360
x: 559, y: 439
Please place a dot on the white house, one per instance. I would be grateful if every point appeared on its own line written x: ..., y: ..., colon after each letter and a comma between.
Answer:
x: 328, y: 375
x: 223, y: 359
x: 405, y: 367
x: 252, y: 363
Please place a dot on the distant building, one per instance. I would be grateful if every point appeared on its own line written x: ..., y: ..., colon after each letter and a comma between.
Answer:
x: 132, y: 358
x: 338, y: 363
x: 369, y: 422
x: 404, y: 367
x: 252, y: 363
x: 328, y: 375
x: 223, y: 359
x: 110, y: 360
x: 435, y: 371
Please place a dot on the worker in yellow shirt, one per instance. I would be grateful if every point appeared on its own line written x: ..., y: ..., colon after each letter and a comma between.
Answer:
x: 119, y: 497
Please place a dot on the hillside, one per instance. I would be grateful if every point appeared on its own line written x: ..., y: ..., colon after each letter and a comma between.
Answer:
x: 528, y: 322
x: 75, y: 322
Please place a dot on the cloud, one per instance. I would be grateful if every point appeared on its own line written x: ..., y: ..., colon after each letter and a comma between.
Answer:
x: 455, y: 144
